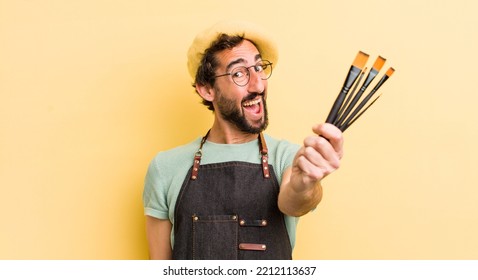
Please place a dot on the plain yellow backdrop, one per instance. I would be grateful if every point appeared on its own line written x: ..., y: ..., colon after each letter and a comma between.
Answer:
x: 91, y: 90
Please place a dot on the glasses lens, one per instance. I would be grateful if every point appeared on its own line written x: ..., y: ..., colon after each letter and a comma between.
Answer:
x: 240, y: 75
x: 264, y: 68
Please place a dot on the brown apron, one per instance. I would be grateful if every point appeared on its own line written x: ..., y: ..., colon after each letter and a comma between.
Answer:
x: 229, y: 211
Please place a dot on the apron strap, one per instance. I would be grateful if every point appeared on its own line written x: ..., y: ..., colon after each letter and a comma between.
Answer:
x: 264, y: 156
x: 262, y: 147
x: 197, y: 158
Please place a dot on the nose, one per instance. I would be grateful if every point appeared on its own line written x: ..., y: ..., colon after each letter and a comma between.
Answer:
x: 256, y: 84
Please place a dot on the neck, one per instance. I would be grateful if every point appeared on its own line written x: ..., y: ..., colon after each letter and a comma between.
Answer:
x: 225, y: 134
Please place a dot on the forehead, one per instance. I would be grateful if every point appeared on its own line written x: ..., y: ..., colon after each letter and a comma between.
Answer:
x: 244, y: 53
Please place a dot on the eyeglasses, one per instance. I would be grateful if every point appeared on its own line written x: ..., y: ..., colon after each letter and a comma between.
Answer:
x: 241, y: 75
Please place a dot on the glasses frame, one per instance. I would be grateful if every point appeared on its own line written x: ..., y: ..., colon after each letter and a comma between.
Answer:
x: 266, y: 63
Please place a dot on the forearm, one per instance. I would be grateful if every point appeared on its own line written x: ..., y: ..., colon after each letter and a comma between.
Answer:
x: 296, y: 199
x: 158, y: 234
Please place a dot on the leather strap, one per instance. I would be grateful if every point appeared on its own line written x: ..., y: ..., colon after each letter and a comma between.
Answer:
x: 264, y: 156
x: 197, y: 161
x: 197, y: 158
x: 252, y: 247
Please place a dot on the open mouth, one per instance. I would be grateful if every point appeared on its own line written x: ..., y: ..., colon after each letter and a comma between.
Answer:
x: 253, y: 106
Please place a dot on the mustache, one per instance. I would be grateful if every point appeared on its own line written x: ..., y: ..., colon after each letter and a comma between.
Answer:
x: 253, y: 96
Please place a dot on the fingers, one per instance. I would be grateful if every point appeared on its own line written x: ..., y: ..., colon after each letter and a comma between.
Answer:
x: 321, y: 153
x: 332, y: 134
x: 312, y: 164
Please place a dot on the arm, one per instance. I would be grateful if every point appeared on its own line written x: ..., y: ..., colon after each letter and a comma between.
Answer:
x: 301, y: 189
x: 158, y: 233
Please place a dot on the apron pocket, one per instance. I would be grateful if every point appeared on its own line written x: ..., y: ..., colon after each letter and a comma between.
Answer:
x: 215, y: 237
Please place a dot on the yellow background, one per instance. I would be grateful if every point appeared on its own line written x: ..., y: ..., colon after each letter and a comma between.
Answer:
x: 91, y: 90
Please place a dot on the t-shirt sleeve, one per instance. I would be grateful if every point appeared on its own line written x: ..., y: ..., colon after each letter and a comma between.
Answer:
x: 154, y: 194
x: 285, y: 154
x: 288, y: 151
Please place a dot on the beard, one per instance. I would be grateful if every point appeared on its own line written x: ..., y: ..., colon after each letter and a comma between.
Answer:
x: 234, y: 115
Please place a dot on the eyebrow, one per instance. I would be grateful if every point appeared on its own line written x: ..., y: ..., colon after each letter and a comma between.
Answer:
x: 241, y: 60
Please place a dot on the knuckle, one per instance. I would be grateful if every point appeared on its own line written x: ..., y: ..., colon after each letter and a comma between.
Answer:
x: 322, y: 141
x: 308, y: 141
x: 335, y: 164
x: 309, y: 150
x: 317, y: 174
x: 324, y: 172
x: 336, y: 135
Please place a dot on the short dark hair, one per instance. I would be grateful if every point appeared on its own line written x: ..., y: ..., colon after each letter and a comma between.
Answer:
x: 205, y: 74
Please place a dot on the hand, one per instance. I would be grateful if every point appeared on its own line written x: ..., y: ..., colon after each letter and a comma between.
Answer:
x: 301, y: 190
x: 320, y: 156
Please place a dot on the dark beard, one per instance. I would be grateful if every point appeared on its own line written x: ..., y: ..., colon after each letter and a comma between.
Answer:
x: 232, y: 114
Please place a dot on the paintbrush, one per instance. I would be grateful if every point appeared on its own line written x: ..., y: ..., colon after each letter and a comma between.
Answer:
x: 377, y: 66
x: 347, y: 125
x: 352, y: 75
x: 350, y: 95
x: 367, y: 98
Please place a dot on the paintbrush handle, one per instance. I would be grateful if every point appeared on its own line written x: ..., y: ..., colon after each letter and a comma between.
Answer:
x: 370, y: 76
x: 349, y: 98
x: 359, y: 107
x: 349, y: 81
x: 337, y: 104
x: 367, y: 98
x: 346, y: 125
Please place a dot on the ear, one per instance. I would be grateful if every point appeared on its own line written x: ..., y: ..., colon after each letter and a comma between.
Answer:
x: 206, y: 92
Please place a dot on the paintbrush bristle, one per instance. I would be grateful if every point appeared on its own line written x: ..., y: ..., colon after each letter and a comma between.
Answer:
x: 390, y: 71
x: 379, y: 62
x: 360, y: 60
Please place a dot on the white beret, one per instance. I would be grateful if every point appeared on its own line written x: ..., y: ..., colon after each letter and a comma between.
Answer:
x: 266, y: 46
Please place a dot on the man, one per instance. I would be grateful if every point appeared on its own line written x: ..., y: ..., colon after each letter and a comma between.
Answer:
x: 235, y: 193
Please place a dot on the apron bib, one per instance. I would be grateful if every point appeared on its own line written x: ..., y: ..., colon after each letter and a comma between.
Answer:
x: 229, y: 211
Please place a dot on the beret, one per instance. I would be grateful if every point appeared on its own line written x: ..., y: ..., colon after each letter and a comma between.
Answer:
x: 266, y: 46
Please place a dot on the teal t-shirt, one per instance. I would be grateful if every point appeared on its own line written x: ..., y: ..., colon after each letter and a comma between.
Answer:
x: 168, y: 169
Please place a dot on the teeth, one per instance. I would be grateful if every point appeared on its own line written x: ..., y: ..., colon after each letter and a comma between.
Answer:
x: 252, y: 102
